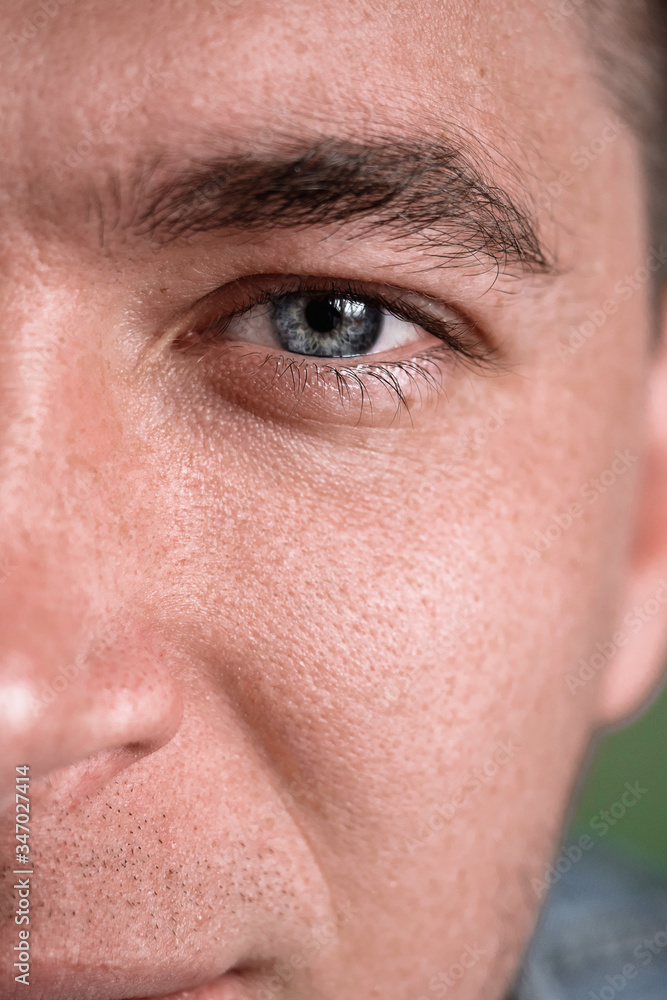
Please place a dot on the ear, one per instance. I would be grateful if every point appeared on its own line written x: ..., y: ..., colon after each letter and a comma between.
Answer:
x: 635, y: 671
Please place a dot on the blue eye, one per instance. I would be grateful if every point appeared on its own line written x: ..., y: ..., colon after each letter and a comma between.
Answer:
x: 363, y: 339
x: 269, y: 337
x: 327, y: 326
x: 328, y: 323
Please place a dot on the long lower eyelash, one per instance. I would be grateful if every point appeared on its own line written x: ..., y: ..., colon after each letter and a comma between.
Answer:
x: 425, y: 371
x: 347, y: 378
x: 416, y: 369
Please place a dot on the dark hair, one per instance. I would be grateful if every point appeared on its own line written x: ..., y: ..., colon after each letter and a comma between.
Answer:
x: 629, y: 39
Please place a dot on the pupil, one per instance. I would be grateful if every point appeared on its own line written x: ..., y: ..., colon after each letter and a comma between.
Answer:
x: 322, y: 315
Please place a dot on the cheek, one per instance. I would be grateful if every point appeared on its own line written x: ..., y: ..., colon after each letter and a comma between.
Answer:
x: 413, y: 636
x: 361, y: 590
x: 394, y: 621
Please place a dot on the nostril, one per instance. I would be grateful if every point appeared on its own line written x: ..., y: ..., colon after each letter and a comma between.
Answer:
x: 123, y: 704
x: 69, y: 785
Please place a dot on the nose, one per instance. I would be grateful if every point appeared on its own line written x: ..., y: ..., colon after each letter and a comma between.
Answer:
x: 85, y: 686
x: 97, y: 699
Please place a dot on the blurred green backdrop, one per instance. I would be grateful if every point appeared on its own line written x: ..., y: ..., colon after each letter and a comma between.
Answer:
x: 637, y: 753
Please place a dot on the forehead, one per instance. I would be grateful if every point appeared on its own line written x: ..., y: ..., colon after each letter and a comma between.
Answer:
x: 165, y: 75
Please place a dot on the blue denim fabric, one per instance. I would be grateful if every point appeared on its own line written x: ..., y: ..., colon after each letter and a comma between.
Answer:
x: 602, y: 934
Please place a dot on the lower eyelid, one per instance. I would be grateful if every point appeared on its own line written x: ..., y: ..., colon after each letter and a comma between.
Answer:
x: 333, y: 391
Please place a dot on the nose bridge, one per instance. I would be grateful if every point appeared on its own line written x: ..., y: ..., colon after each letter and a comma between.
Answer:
x: 59, y: 425
x: 40, y: 384
x: 44, y: 583
x: 36, y: 599
x: 24, y: 390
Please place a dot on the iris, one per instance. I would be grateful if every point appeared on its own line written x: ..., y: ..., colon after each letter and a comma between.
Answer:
x: 328, y: 326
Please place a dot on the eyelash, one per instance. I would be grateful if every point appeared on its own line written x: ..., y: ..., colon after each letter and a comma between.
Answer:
x: 461, y: 341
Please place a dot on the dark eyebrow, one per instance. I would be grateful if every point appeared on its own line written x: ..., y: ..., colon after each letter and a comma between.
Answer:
x: 430, y: 193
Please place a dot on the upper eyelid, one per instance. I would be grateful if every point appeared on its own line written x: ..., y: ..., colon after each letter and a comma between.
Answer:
x: 392, y: 304
x: 394, y: 298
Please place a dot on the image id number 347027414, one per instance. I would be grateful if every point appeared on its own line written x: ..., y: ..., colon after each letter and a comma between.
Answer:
x: 25, y: 871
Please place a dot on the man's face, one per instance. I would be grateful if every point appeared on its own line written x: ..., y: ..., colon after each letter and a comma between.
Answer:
x: 291, y: 657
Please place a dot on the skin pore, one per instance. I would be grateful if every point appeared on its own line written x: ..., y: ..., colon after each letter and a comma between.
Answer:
x: 315, y: 735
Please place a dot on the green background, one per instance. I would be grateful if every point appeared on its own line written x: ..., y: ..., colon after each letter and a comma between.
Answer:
x: 637, y: 752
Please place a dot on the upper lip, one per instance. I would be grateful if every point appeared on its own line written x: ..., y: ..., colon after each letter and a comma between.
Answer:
x: 51, y: 983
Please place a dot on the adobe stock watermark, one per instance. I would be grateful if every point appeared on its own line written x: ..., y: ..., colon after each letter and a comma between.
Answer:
x: 469, y: 447
x: 590, y: 493
x: 76, y: 155
x: 67, y: 675
x: 564, y: 8
x: 476, y: 778
x: 265, y: 819
x: 50, y: 690
x: 419, y: 656
x: 633, y: 622
x: 204, y: 197
x: 322, y: 938
x: 644, y: 953
x: 580, y: 159
x: 600, y: 825
x: 37, y: 19
x: 7, y: 567
x: 622, y: 291
x: 440, y: 984
x: 89, y: 483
